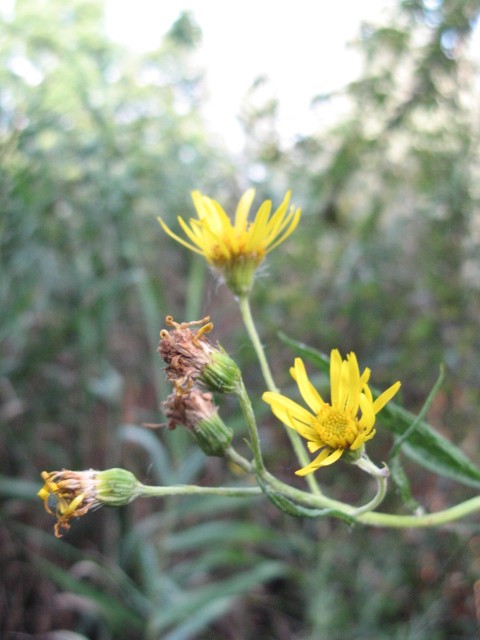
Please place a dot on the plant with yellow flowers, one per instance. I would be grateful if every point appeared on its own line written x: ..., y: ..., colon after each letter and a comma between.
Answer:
x: 336, y: 426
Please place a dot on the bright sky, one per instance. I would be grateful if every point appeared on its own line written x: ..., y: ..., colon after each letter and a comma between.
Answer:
x: 301, y: 46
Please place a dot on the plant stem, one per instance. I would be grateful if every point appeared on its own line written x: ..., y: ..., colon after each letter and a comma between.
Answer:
x: 377, y: 499
x: 428, y: 520
x: 246, y: 313
x: 373, y: 518
x: 360, y: 514
x: 237, y: 459
x: 249, y: 416
x: 146, y: 491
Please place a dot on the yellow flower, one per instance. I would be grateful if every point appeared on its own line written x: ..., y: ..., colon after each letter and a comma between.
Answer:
x: 237, y: 249
x: 333, y: 428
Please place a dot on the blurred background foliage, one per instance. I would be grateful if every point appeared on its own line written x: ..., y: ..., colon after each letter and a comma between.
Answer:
x: 94, y: 143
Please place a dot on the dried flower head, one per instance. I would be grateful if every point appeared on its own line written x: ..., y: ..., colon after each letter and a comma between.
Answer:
x: 191, y: 358
x: 78, y: 492
x: 198, y: 413
x: 188, y: 409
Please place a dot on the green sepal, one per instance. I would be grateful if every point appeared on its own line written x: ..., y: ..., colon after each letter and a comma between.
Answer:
x: 213, y: 436
x: 222, y: 374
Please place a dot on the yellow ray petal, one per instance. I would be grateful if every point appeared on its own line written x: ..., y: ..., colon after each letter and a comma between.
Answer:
x: 315, y: 446
x: 278, y: 218
x: 387, y: 395
x: 335, y: 371
x: 325, y: 458
x: 307, y: 390
x: 333, y: 457
x: 178, y: 239
x: 257, y: 232
x: 367, y: 419
x: 277, y: 400
x: 243, y: 209
x: 194, y: 233
x: 288, y: 232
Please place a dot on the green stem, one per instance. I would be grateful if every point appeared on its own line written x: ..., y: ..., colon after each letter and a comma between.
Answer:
x: 370, y: 518
x: 377, y: 499
x: 245, y: 310
x: 237, y: 459
x: 373, y: 518
x: 146, y: 491
x: 249, y: 416
x: 246, y: 313
x: 428, y: 520
x: 304, y: 498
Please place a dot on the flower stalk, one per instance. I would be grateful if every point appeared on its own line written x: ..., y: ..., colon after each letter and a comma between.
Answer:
x: 248, y: 321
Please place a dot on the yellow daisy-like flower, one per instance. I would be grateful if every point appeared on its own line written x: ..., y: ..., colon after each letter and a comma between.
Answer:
x: 236, y: 249
x: 334, y: 428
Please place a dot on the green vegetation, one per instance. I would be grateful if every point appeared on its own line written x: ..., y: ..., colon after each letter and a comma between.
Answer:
x: 95, y: 142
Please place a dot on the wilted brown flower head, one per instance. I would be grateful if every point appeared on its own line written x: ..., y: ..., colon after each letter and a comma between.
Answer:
x: 185, y: 351
x: 188, y: 409
x: 78, y: 492
x: 198, y: 413
x: 75, y: 491
x: 191, y: 358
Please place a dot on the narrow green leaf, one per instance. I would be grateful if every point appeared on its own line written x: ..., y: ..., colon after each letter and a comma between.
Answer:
x: 110, y: 608
x: 424, y: 445
x: 144, y: 438
x: 401, y: 481
x: 217, y: 532
x: 18, y: 488
x: 192, y: 602
x: 199, y: 621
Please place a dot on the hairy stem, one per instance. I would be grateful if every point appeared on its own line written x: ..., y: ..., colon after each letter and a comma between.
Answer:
x: 147, y: 491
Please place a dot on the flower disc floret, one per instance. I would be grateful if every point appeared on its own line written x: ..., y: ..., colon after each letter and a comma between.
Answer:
x: 340, y: 426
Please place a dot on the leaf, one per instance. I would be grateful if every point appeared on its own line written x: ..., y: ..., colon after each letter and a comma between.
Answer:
x: 118, y: 616
x: 191, y: 604
x: 144, y: 438
x: 287, y: 506
x: 18, y: 488
x: 218, y: 532
x: 424, y: 445
x: 291, y: 508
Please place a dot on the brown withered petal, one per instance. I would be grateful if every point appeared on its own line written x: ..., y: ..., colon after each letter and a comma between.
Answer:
x: 186, y: 352
x: 188, y: 409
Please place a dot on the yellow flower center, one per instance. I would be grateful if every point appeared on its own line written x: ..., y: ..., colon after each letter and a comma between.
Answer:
x: 336, y: 428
